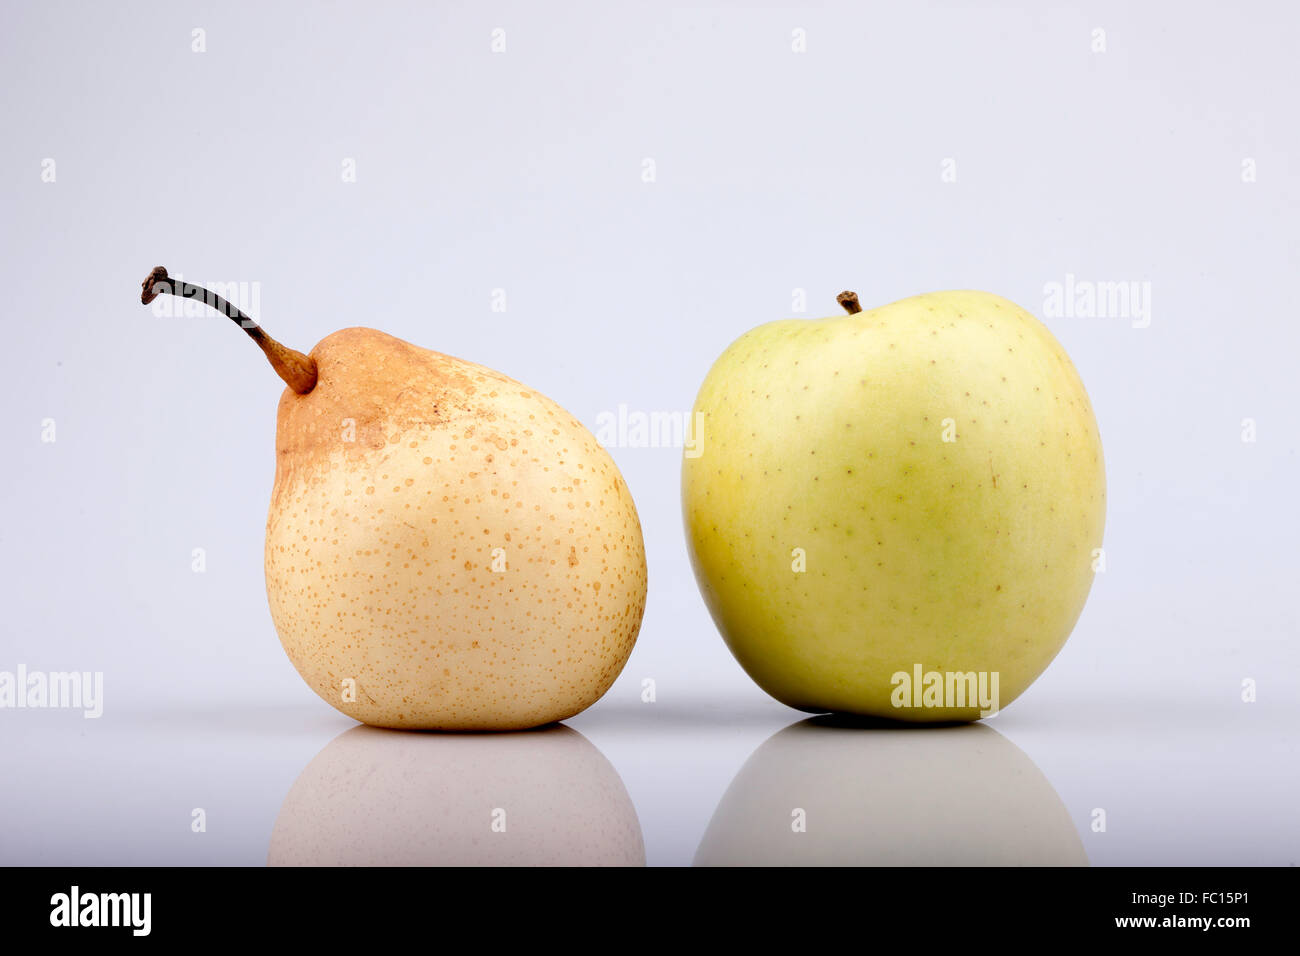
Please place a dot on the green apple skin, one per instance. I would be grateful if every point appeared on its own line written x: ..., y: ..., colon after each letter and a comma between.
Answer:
x: 969, y: 554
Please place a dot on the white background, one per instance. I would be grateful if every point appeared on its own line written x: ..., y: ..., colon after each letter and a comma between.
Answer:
x: 775, y: 171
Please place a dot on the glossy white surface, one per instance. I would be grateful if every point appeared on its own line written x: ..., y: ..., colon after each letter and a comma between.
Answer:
x: 1180, y: 783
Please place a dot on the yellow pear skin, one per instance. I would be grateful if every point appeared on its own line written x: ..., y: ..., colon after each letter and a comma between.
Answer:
x: 446, y: 548
x: 912, y: 490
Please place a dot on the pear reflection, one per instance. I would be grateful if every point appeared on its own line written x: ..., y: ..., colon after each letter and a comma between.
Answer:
x: 376, y: 797
x: 889, y: 796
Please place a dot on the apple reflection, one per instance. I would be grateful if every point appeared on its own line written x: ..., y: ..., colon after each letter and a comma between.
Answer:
x: 376, y: 797
x: 889, y: 795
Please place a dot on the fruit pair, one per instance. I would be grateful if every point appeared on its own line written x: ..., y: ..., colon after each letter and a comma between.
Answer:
x: 449, y: 549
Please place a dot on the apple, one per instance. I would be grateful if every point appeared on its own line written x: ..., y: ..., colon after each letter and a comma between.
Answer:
x: 820, y: 793
x: 897, y: 512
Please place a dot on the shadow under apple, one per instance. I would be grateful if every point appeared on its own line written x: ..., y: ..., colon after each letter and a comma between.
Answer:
x: 884, y: 794
x: 375, y: 797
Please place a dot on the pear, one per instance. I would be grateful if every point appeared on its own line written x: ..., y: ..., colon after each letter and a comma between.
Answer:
x: 896, y: 513
x: 545, y: 797
x: 446, y: 549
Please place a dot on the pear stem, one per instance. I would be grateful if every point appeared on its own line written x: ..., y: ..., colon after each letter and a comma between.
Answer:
x: 850, y: 302
x: 297, y: 370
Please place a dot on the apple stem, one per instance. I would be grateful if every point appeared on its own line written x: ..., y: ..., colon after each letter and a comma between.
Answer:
x: 850, y: 302
x: 297, y: 370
